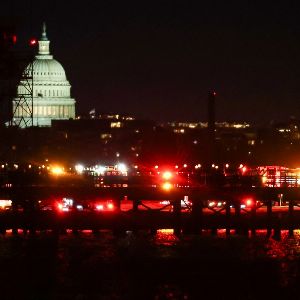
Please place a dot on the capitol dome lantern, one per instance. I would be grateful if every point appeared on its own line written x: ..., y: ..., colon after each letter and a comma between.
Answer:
x: 50, y: 95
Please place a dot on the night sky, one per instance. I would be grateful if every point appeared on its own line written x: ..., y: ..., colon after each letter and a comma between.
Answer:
x: 159, y: 60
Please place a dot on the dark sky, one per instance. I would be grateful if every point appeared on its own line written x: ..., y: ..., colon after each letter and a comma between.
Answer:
x: 158, y: 60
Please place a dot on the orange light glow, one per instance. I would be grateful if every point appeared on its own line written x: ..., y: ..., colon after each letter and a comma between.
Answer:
x: 166, y: 231
x: 57, y: 170
x: 5, y: 204
x: 167, y: 186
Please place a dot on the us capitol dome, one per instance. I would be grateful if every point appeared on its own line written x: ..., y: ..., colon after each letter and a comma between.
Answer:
x: 49, y: 97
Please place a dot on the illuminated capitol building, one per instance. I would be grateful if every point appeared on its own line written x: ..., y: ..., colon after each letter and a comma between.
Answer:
x: 50, y: 91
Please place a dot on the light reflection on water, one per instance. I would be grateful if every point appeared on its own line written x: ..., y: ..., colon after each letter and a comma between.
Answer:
x: 165, y: 237
x: 285, y: 248
x: 285, y: 251
x: 109, y: 265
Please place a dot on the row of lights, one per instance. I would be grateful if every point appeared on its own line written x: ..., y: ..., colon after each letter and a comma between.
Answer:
x: 121, y: 167
x: 198, y: 166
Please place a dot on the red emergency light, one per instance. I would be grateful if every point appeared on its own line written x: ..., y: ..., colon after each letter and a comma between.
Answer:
x: 32, y: 42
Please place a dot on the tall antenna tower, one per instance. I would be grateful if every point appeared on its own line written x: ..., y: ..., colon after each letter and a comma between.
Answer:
x: 211, y: 127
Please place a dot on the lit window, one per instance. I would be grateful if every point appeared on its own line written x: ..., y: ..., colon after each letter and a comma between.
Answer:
x: 106, y: 136
x: 115, y: 124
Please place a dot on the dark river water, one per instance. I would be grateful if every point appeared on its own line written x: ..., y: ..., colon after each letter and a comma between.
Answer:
x: 147, y: 266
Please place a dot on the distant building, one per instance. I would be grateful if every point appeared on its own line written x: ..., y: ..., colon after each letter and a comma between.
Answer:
x: 50, y: 90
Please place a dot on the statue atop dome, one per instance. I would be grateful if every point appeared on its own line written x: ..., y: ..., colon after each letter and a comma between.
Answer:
x: 44, y: 33
x: 44, y: 45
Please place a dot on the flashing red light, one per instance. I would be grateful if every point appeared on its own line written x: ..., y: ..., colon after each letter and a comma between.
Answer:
x: 249, y: 202
x: 62, y: 208
x: 244, y: 169
x: 214, y: 93
x: 14, y: 39
x: 110, y: 206
x: 105, y: 206
x: 33, y: 42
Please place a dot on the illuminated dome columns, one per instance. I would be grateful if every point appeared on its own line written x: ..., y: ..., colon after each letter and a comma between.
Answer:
x: 50, y: 91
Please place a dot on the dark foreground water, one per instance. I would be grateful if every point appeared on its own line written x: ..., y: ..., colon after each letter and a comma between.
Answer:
x: 145, y: 266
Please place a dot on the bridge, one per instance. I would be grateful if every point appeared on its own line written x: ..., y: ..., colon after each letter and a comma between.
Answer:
x: 149, y: 208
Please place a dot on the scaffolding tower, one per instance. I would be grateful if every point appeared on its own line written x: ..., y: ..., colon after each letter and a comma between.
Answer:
x: 22, y: 103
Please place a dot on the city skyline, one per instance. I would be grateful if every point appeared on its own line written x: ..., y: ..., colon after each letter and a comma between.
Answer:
x: 159, y: 61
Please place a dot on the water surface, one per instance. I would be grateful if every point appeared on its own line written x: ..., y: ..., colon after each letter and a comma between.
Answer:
x: 141, y: 265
